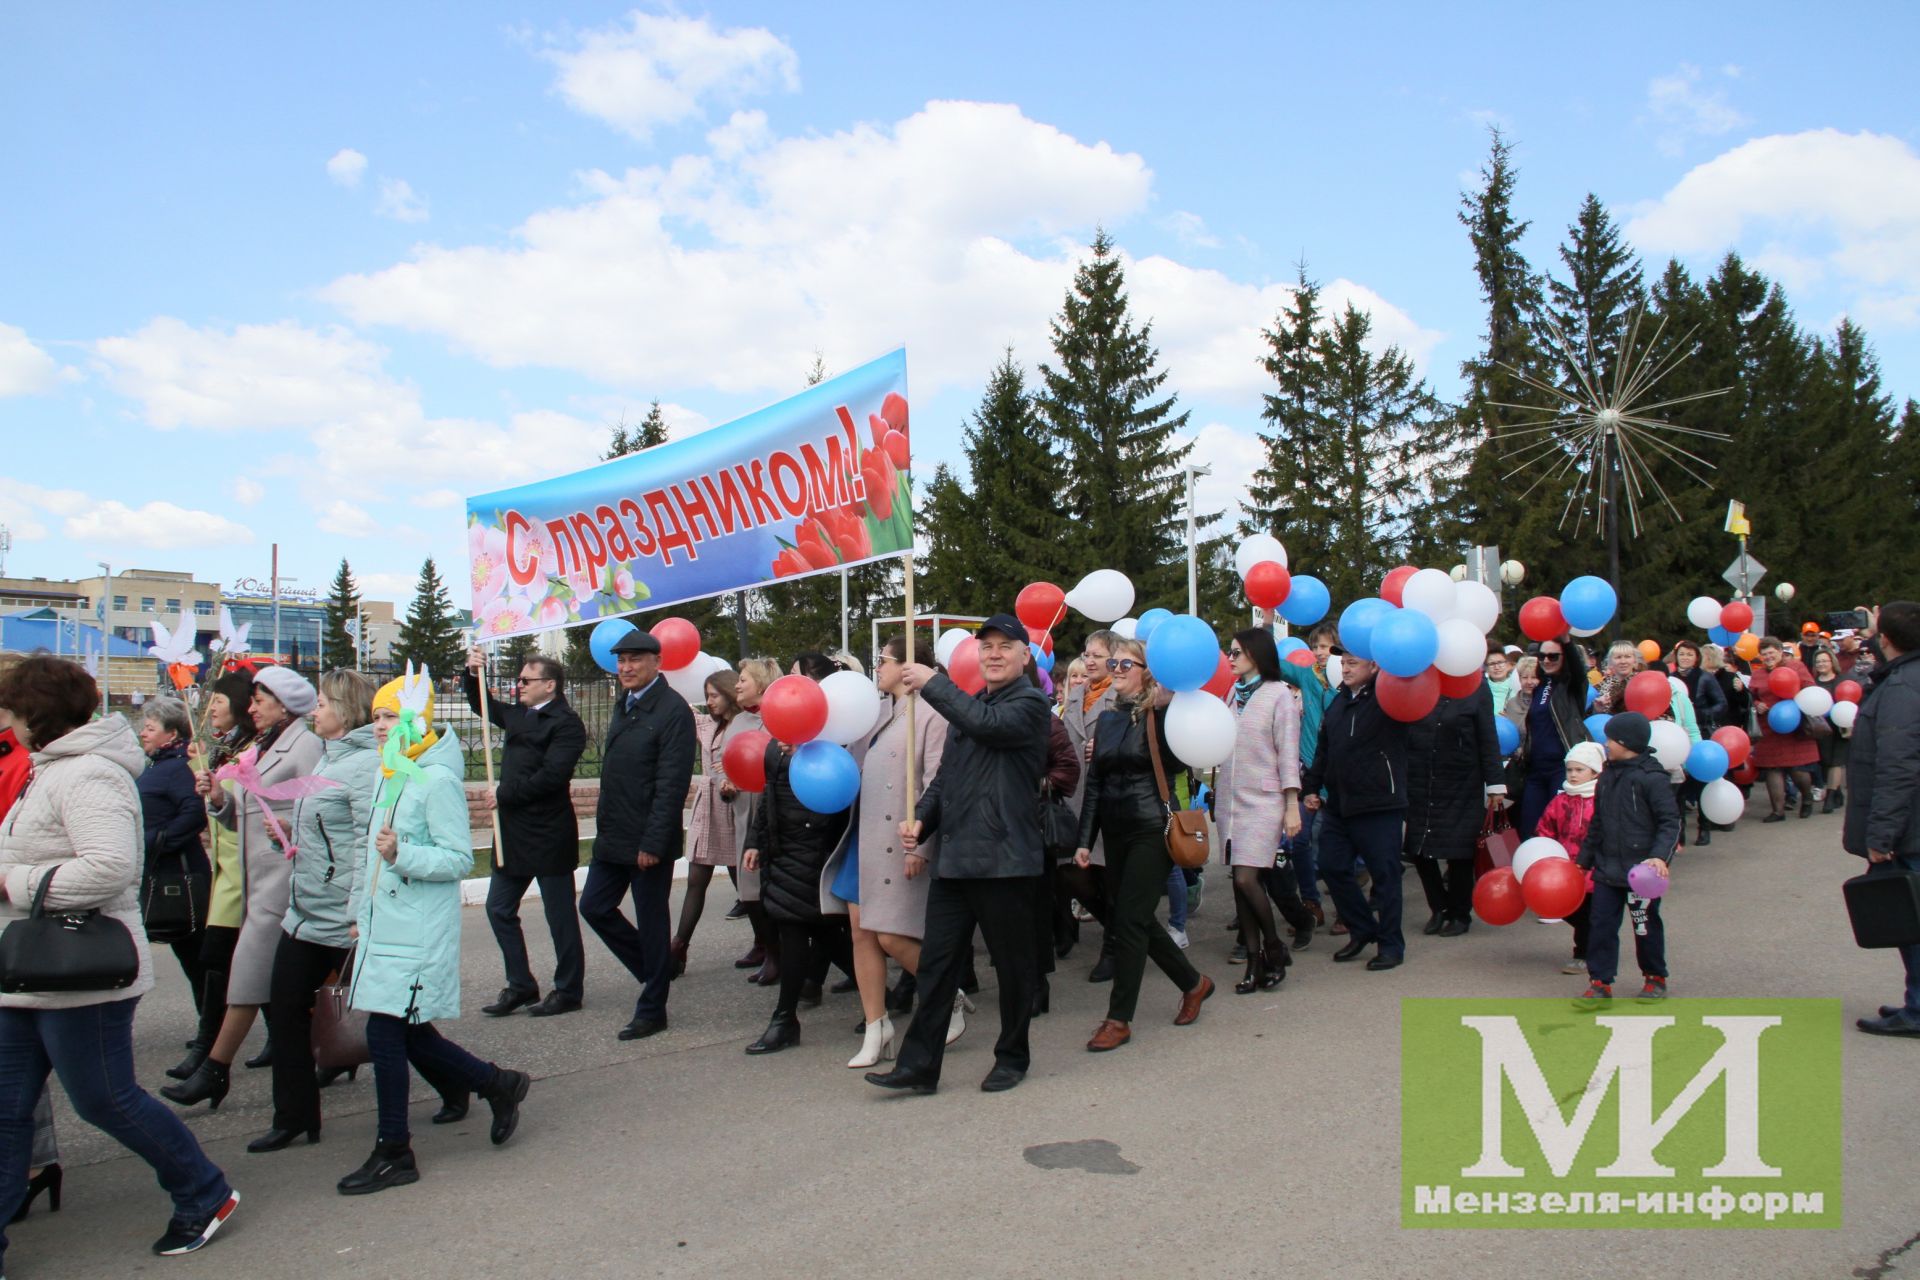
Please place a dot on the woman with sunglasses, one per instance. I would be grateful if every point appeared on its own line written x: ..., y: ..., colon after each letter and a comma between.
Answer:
x: 1257, y: 798
x: 1073, y: 881
x: 1555, y: 722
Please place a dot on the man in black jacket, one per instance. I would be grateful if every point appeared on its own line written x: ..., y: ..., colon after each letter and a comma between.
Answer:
x: 986, y: 803
x: 539, y: 835
x: 1883, y: 785
x: 646, y: 768
x: 1361, y: 763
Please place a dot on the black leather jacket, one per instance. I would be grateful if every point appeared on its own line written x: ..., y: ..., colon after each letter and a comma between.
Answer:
x: 985, y: 801
x: 1121, y: 792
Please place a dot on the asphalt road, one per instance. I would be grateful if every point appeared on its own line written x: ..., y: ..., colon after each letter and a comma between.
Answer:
x: 1261, y: 1141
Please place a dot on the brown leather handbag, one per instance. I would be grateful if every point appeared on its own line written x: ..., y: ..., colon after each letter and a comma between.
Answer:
x: 1189, y: 831
x: 339, y: 1030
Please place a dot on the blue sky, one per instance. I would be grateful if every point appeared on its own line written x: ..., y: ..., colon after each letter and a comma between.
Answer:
x: 310, y: 276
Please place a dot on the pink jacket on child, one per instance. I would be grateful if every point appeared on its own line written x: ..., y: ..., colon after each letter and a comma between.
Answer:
x: 1566, y: 820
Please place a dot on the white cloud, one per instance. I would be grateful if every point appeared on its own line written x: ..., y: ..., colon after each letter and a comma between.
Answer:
x: 397, y: 587
x: 1681, y: 107
x: 246, y: 491
x: 346, y: 520
x: 1823, y: 207
x: 25, y: 369
x: 399, y: 201
x: 156, y: 526
x: 346, y: 167
x: 660, y: 69
x: 1191, y: 229
x: 1234, y: 453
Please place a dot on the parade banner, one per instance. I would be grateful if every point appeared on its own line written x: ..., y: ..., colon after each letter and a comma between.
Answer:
x: 810, y: 485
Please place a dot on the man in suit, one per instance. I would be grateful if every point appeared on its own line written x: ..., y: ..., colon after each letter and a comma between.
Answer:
x: 539, y: 835
x: 646, y: 769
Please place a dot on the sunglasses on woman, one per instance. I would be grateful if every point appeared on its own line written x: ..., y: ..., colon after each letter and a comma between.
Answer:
x: 1235, y: 652
x: 1549, y: 655
x: 1121, y: 664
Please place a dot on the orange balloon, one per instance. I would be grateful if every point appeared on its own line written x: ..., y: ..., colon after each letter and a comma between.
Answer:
x: 1650, y: 650
x: 1747, y: 646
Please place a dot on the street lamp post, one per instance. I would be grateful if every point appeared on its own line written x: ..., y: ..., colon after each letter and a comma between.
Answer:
x: 106, y: 633
x: 1193, y: 545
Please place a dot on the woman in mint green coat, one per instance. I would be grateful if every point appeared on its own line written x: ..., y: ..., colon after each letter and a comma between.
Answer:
x: 407, y: 962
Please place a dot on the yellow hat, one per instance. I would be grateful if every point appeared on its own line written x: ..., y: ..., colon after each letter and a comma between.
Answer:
x: 389, y: 698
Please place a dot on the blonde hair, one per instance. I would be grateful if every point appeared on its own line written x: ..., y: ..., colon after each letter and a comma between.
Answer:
x: 1128, y: 647
x: 1628, y: 647
x: 1078, y: 667
x: 1526, y: 667
x: 1712, y: 657
x: 764, y: 671
x: 351, y: 693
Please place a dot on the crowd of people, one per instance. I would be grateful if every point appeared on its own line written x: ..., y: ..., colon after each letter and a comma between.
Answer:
x: 327, y: 824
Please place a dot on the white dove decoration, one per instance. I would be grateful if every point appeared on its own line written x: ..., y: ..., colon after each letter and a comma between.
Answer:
x: 231, y: 640
x: 175, y: 649
x: 415, y: 690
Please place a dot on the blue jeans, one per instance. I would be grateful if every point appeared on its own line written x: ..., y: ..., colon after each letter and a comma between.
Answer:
x: 1909, y: 955
x: 1373, y: 839
x: 394, y: 1045
x: 90, y: 1049
x: 1304, y: 852
x: 1177, y: 899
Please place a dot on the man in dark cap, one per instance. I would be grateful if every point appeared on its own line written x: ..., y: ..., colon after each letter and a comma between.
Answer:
x: 646, y: 768
x: 985, y: 803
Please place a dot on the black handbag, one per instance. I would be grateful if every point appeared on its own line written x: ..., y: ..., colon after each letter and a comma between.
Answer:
x: 1884, y: 909
x: 173, y: 899
x: 66, y: 950
x: 1059, y: 826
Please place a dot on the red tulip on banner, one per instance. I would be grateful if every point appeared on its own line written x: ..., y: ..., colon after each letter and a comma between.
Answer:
x: 1497, y: 898
x: 794, y: 709
x: 1268, y: 584
x: 964, y: 666
x: 1408, y: 698
x: 745, y: 760
x: 1542, y: 620
x: 1736, y: 617
x: 1395, y: 582
x: 1649, y: 694
x: 1222, y: 682
x: 1460, y: 686
x: 1040, y: 605
x: 679, y: 642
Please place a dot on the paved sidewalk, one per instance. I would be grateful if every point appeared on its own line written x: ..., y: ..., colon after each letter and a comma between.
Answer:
x: 1261, y: 1141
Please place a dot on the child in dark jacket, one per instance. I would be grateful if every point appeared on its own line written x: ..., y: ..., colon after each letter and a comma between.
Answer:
x: 1567, y: 818
x: 1635, y: 820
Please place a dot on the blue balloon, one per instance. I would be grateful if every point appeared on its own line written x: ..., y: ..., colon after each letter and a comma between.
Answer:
x: 1150, y: 620
x: 1588, y: 603
x: 1357, y: 622
x: 1290, y: 644
x: 1183, y: 653
x: 1707, y: 760
x: 1041, y: 658
x: 1405, y: 642
x: 1721, y: 636
x: 1508, y: 733
x: 1593, y: 695
x: 1597, y: 727
x: 823, y: 776
x: 1784, y: 717
x: 1307, y: 601
x: 604, y: 637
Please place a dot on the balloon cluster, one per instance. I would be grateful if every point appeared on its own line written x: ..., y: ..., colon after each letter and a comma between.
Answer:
x: 1585, y: 605
x: 1262, y: 565
x: 1427, y: 633
x: 1542, y: 878
x: 1726, y: 625
x: 1184, y: 655
x: 818, y: 720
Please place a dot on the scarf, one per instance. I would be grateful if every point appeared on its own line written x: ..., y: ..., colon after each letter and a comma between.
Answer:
x: 405, y: 743
x: 1094, y: 689
x: 1580, y: 788
x: 1243, y: 691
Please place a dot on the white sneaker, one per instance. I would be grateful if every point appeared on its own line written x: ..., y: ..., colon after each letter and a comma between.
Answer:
x: 877, y: 1047
x: 1179, y: 937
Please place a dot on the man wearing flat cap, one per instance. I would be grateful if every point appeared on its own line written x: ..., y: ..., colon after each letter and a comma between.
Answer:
x: 646, y: 768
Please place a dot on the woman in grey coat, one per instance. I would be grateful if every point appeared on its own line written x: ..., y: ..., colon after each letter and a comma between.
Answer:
x: 1088, y: 884
x: 257, y: 810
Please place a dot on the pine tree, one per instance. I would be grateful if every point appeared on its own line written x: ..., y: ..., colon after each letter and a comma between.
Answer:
x: 1123, y: 458
x: 431, y: 635
x: 1019, y: 531
x: 1286, y: 496
x: 944, y: 576
x: 343, y: 606
x: 1604, y: 283
x: 651, y: 431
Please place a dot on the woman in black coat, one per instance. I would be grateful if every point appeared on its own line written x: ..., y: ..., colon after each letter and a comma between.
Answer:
x: 790, y: 845
x: 174, y: 816
x: 1454, y: 776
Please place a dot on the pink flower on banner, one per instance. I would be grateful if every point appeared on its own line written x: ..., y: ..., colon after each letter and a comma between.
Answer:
x: 553, y: 612
x: 487, y: 554
x: 581, y: 583
x: 505, y: 616
x: 623, y: 584
x: 534, y: 544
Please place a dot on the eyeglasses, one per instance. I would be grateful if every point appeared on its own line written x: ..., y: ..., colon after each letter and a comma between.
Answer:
x: 1235, y: 652
x: 532, y: 679
x: 1121, y: 664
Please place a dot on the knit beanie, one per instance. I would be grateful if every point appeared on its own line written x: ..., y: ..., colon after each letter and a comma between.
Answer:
x: 1631, y: 730
x: 1590, y: 754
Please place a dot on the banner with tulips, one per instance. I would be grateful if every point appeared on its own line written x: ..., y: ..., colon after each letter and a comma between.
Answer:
x: 810, y: 485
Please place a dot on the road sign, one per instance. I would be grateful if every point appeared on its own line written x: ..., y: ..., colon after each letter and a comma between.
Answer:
x: 1744, y: 573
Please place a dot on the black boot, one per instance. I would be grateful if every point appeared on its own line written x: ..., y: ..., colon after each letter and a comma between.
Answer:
x: 1832, y: 801
x: 781, y: 1033
x: 1703, y: 833
x: 208, y: 1083
x: 390, y: 1165
x: 1250, y: 983
x: 504, y: 1095
x: 900, y: 998
x: 1103, y: 969
x: 1273, y: 970
x: 213, y: 1011
x: 196, y: 1054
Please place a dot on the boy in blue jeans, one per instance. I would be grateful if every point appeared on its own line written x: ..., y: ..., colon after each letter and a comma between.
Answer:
x: 1635, y: 820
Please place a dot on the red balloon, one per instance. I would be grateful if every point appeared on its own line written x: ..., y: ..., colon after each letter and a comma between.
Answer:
x: 1040, y: 605
x: 794, y: 709
x: 1745, y: 776
x: 1541, y: 619
x: 1042, y: 638
x: 1459, y: 686
x: 1301, y: 657
x: 1847, y: 691
x: 1784, y: 682
x: 1737, y: 744
x: 963, y: 667
x: 1554, y: 888
x: 679, y: 642
x: 1408, y: 698
x: 1222, y: 681
x: 1268, y: 584
x: 1497, y: 898
x: 1649, y: 694
x: 1736, y: 617
x: 1395, y: 583
x: 745, y: 761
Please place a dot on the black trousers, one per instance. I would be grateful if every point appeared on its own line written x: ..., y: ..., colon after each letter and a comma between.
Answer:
x: 1137, y: 867
x: 1449, y: 886
x: 504, y: 894
x: 642, y: 944
x: 807, y: 949
x: 216, y: 957
x: 298, y: 970
x: 1003, y: 910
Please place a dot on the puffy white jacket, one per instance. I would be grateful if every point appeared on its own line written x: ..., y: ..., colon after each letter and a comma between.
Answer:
x: 80, y: 818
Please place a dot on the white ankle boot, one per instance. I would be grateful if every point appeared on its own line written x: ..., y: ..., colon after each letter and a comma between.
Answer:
x: 877, y: 1047
x: 961, y: 1008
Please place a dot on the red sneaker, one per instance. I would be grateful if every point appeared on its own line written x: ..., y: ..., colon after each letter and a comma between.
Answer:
x: 1599, y: 995
x: 1656, y: 989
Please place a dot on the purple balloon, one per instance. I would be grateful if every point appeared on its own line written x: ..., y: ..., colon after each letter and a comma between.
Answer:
x: 1046, y: 682
x: 1645, y: 881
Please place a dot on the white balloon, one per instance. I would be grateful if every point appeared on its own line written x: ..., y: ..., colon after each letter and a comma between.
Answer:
x: 949, y: 641
x: 1333, y: 671
x: 1463, y: 648
x: 1842, y: 714
x: 1459, y: 573
x: 1476, y: 603
x: 1431, y: 592
x: 1784, y: 592
x: 1200, y: 729
x: 853, y: 704
x: 1102, y: 596
x: 1125, y: 627
x: 1513, y: 573
x: 1259, y: 547
x: 690, y: 681
x: 1813, y: 700
x: 1722, y: 802
x: 1670, y: 745
x: 1538, y: 849
x: 1704, y: 612
x: 1584, y: 632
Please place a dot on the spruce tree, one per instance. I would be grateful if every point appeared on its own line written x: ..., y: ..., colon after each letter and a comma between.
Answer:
x: 1019, y: 530
x: 651, y: 431
x: 343, y: 606
x: 944, y: 574
x: 431, y: 636
x: 1287, y: 495
x: 1603, y: 285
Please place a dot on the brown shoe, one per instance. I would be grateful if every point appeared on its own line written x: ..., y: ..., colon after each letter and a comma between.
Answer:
x: 753, y: 959
x: 1190, y: 1003
x: 1110, y: 1035
x: 1339, y: 929
x: 1319, y: 915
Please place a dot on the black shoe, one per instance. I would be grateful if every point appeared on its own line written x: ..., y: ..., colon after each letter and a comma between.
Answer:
x: 1702, y: 837
x: 1806, y: 804
x: 184, y: 1235
x: 738, y: 911
x: 1250, y: 982
x: 900, y: 998
x: 1831, y: 803
x: 1351, y: 951
x: 901, y: 1078
x: 281, y: 1139
x: 324, y: 1076
x: 1775, y: 817
x: 1886, y: 1011
x: 196, y: 1054
x: 390, y: 1165
x: 1381, y: 963
x: 262, y: 1059
x: 1103, y: 971
x: 555, y: 1003
x: 1434, y: 922
x: 453, y: 1110
x: 1273, y: 967
x: 1001, y: 1079
x: 810, y: 994
x: 1455, y: 926
x: 1041, y: 1002
x: 504, y: 1095
x: 207, y: 1084
x: 1897, y: 1024
x: 970, y: 983
x: 47, y: 1180
x: 781, y: 1033
x: 1303, y: 937
x: 843, y: 986
x: 641, y: 1028
x: 508, y: 1001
